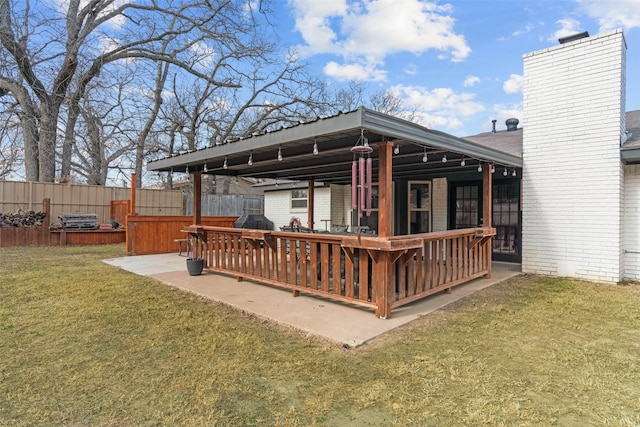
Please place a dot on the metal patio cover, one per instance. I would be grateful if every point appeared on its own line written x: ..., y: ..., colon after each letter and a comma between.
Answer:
x: 334, y: 136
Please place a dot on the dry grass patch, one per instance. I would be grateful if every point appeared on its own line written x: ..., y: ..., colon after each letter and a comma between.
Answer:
x: 84, y: 343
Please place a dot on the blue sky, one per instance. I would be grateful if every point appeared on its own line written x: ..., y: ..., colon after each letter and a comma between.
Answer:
x: 458, y: 64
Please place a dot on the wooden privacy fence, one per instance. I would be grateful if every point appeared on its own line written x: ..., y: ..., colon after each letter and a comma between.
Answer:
x: 42, y: 235
x: 85, y: 198
x: 157, y: 234
x: 380, y: 273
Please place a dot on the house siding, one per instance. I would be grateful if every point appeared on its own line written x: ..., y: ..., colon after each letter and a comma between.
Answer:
x: 573, y: 103
x: 277, y: 207
x: 439, y: 204
x: 340, y: 209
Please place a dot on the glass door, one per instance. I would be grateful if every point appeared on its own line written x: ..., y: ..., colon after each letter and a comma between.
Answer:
x: 506, y: 220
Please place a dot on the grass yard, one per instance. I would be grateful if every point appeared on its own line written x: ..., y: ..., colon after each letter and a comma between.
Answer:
x: 86, y: 344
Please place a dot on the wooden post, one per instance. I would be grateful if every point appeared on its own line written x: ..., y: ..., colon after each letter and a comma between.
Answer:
x: 132, y: 198
x: 45, y: 232
x: 385, y: 189
x: 487, y: 199
x: 310, y: 204
x: 487, y: 211
x: 197, y: 198
x: 382, y: 278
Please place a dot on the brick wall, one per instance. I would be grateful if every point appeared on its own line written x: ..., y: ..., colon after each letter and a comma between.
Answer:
x: 572, y: 181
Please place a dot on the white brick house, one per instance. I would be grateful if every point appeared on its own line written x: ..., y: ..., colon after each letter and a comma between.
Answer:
x: 580, y: 197
x: 573, y: 180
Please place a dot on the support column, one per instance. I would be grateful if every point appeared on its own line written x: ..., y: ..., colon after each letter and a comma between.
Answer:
x: 385, y: 189
x: 382, y: 278
x: 487, y: 211
x: 487, y: 198
x: 132, y: 197
x: 197, y: 198
x: 310, y: 204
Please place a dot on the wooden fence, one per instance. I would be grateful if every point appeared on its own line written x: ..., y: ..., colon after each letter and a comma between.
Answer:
x: 42, y: 235
x: 158, y: 234
x: 85, y: 199
x: 380, y: 273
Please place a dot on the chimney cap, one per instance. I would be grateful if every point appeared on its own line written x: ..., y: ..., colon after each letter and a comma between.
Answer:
x: 573, y: 37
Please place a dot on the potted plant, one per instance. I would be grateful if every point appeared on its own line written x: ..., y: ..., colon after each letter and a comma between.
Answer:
x: 195, y: 264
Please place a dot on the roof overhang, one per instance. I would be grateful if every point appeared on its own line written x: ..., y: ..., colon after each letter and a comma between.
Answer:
x: 334, y: 137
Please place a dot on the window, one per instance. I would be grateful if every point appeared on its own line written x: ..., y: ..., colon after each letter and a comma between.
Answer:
x: 299, y: 199
x: 419, y: 207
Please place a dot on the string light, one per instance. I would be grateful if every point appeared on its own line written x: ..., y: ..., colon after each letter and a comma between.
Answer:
x: 444, y: 159
x: 315, y: 148
x: 396, y: 149
x: 505, y: 172
x: 514, y: 172
x: 479, y: 167
x: 279, y: 154
x: 424, y: 156
x: 224, y: 165
x: 462, y: 162
x: 187, y: 170
x: 493, y: 169
x: 205, y: 167
x: 250, y: 161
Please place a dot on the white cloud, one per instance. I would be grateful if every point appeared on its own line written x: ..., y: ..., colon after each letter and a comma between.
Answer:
x: 370, y: 30
x: 471, y: 80
x: 568, y: 27
x: 204, y: 55
x: 522, y: 31
x: 613, y: 14
x: 117, y: 21
x: 440, y: 107
x: 355, y: 72
x: 514, y: 84
x: 411, y: 69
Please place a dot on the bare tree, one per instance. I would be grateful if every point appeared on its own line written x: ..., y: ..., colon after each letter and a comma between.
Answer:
x: 10, y: 149
x: 39, y: 70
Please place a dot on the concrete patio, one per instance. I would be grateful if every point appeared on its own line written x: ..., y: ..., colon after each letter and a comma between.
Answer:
x: 341, y: 323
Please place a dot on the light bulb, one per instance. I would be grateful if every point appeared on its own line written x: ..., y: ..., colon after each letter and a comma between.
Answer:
x: 396, y: 150
x: 424, y: 156
x: 315, y: 148
x: 224, y: 165
x: 462, y: 162
x: 493, y: 169
x: 279, y: 154
x: 205, y: 168
x: 250, y: 161
x: 505, y: 172
x: 444, y: 159
x: 513, y: 173
x: 187, y: 170
x: 479, y: 167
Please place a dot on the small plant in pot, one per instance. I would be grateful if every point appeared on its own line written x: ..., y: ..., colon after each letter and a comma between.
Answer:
x: 195, y: 264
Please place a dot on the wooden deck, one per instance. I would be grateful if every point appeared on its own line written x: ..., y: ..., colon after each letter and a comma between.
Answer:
x: 375, y: 272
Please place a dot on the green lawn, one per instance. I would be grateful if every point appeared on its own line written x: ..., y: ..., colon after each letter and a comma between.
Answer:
x: 86, y: 344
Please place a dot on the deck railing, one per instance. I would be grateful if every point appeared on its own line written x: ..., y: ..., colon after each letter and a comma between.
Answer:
x: 370, y: 271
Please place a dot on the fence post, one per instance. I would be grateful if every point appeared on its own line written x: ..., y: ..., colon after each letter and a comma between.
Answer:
x: 382, y: 278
